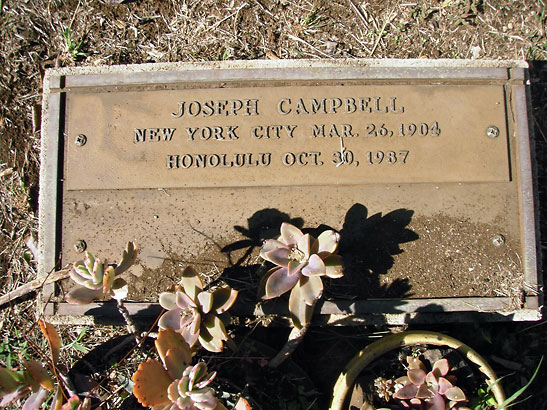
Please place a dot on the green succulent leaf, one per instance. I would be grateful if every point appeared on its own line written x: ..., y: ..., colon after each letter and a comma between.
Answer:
x: 205, y: 300
x: 223, y: 299
x: 176, y: 361
x: 191, y: 282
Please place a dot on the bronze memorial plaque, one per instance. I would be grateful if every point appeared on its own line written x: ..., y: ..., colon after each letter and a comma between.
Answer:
x: 423, y: 168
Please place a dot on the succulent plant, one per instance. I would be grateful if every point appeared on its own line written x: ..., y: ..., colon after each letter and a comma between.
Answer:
x: 17, y: 384
x: 432, y: 390
x: 194, y: 312
x: 74, y: 403
x: 300, y: 261
x: 174, y: 384
x: 99, y: 280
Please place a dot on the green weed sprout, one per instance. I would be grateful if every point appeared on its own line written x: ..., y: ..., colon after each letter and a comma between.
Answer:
x: 173, y: 383
x: 73, y: 48
x: 301, y: 260
x: 194, y: 312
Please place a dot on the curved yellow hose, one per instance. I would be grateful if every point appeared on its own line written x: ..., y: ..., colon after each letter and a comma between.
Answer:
x: 376, y: 349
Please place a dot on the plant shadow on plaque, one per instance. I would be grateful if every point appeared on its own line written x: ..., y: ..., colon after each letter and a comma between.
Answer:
x: 367, y: 246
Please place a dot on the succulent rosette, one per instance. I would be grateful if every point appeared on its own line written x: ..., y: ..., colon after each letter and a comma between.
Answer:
x: 433, y: 390
x: 301, y: 260
x: 99, y: 280
x: 174, y: 384
x: 194, y: 312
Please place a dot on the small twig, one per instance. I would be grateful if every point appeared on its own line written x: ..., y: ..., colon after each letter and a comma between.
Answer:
x: 130, y: 324
x: 32, y: 286
x: 295, y: 337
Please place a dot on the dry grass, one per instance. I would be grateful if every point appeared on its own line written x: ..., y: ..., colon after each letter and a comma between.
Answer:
x: 34, y: 36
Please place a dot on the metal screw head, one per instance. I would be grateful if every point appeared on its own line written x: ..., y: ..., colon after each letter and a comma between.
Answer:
x: 493, y: 131
x: 498, y: 240
x: 80, y: 140
x: 80, y: 246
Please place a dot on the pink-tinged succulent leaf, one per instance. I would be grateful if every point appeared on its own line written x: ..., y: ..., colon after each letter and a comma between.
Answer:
x: 242, y: 404
x: 455, y: 394
x: 215, y: 327
x: 304, y: 244
x: 72, y: 404
x: 414, y: 363
x: 416, y: 376
x: 315, y: 267
x: 278, y: 256
x: 424, y: 392
x: 77, y: 277
x: 108, y: 279
x: 83, y: 296
x: 270, y: 245
x: 295, y: 267
x: 151, y: 383
x: 327, y: 242
x: 97, y: 274
x: 53, y: 339
x: 80, y: 268
x: 209, y: 342
x: 206, y: 381
x: 191, y: 335
x: 205, y: 301
x: 311, y: 289
x: 167, y: 300
x: 300, y: 312
x: 120, y: 289
x: 191, y: 282
x: 89, y: 262
x: 333, y: 266
x: 436, y: 403
x: 22, y: 391
x: 406, y: 392
x: 441, y: 367
x: 173, y: 391
x: 176, y: 361
x: 184, y: 301
x: 129, y: 256
x: 35, y: 401
x: 290, y: 234
x: 38, y: 373
x: 223, y: 299
x: 444, y: 385
x: 198, y: 371
x: 171, y: 319
x: 402, y: 380
x: 9, y: 380
x: 432, y: 379
x: 279, y: 282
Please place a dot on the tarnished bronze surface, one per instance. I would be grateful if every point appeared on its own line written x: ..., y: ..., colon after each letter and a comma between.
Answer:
x: 424, y: 172
x: 280, y: 136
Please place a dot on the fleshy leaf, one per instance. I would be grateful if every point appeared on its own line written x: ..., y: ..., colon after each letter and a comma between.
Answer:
x: 89, y: 262
x: 295, y: 267
x: 205, y: 300
x: 197, y: 372
x: 53, y: 339
x: 209, y: 342
x: 191, y: 282
x: 290, y: 234
x: 315, y: 266
x: 424, y: 392
x: 128, y: 257
x: 279, y: 282
x: 223, y: 299
x: 303, y: 245
x: 176, y: 361
x: 34, y: 402
x: 38, y: 373
x: 436, y: 403
x: 242, y: 404
x: 311, y: 289
x: 270, y: 245
x: 444, y: 385
x: 83, y: 296
x: 441, y: 367
x: 333, y: 266
x: 108, y: 279
x: 170, y: 320
x: 300, y: 311
x: 215, y: 327
x: 9, y: 380
x: 414, y: 363
x: 167, y: 300
x: 455, y: 394
x: 120, y: 289
x: 77, y: 277
x: 406, y: 392
x: 416, y: 376
x: 151, y: 383
x: 169, y: 339
x: 328, y: 242
x: 97, y: 274
x: 278, y: 256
